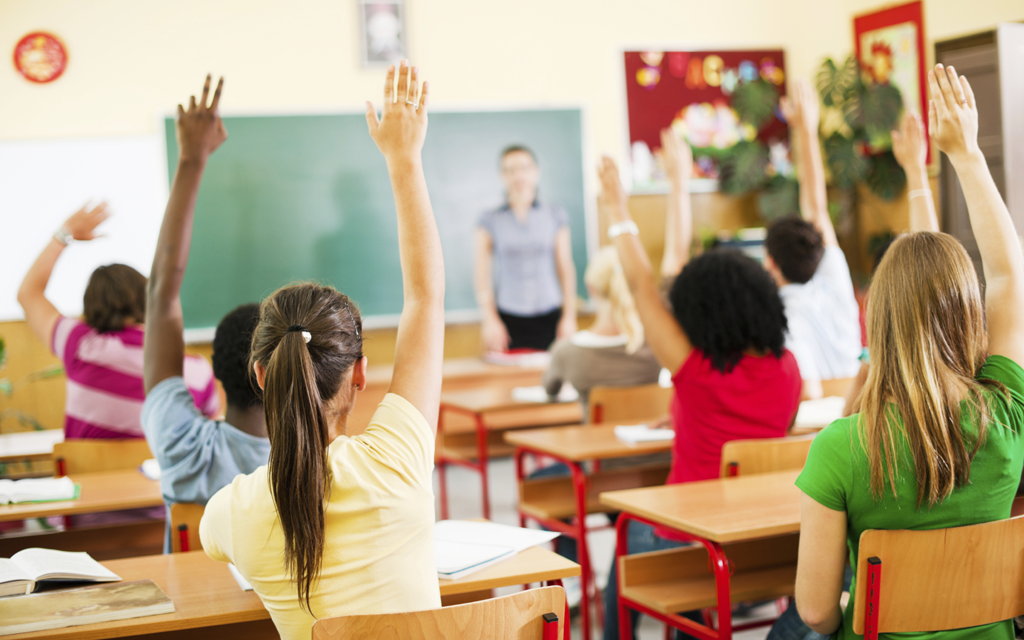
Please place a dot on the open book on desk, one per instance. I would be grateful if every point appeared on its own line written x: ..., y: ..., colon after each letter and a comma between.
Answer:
x: 638, y: 433
x: 86, y: 605
x: 21, y: 573
x: 37, y: 490
x: 462, y: 547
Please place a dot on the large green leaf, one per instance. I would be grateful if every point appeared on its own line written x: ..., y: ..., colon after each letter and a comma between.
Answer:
x: 754, y: 102
x: 876, y: 110
x: 835, y: 83
x: 780, y: 198
x: 846, y: 163
x: 3, y: 353
x: 886, y: 177
x: 743, y: 170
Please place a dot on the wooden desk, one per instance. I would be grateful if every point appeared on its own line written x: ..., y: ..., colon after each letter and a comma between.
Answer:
x: 33, y: 449
x: 490, y: 410
x: 108, y: 491
x: 573, y: 446
x: 714, y: 512
x: 209, y: 603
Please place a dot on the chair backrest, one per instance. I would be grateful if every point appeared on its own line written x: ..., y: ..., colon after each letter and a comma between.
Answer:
x: 619, y: 404
x: 941, y: 579
x: 835, y: 387
x: 187, y: 515
x: 92, y: 456
x: 515, y: 617
x: 766, y: 455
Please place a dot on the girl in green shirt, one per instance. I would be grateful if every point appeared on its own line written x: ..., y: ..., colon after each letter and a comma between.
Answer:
x: 937, y: 442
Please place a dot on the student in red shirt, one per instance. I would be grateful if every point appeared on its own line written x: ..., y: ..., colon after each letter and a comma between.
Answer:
x: 723, y: 340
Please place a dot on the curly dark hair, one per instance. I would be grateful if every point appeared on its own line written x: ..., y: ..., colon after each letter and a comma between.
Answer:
x: 796, y: 246
x: 727, y: 303
x: 231, y: 345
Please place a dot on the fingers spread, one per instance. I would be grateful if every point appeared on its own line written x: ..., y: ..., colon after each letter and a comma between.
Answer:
x: 413, y: 89
x: 968, y: 92
x: 216, y: 95
x: 191, y: 104
x: 403, y: 81
x: 181, y: 111
x: 945, y: 92
x: 424, y: 92
x: 389, y: 87
x: 956, y: 87
x: 937, y: 104
x: 933, y: 124
x: 206, y: 92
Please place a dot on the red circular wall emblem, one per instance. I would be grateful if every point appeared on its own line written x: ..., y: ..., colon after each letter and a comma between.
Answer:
x: 40, y: 57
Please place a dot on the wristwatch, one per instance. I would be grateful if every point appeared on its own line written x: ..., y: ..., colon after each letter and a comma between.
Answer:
x: 64, y: 236
x: 619, y: 228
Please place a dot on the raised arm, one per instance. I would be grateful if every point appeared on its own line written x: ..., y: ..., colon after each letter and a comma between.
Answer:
x: 566, y: 269
x: 399, y: 135
x: 199, y: 131
x: 678, y: 162
x: 40, y: 314
x: 667, y: 339
x: 953, y: 120
x: 911, y: 150
x: 801, y: 111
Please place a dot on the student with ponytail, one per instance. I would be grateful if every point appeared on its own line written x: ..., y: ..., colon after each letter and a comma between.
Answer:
x: 339, y: 525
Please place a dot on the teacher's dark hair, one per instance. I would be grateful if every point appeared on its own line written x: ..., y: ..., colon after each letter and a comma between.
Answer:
x: 518, y: 148
x: 300, y: 398
x: 727, y: 303
x: 115, y: 296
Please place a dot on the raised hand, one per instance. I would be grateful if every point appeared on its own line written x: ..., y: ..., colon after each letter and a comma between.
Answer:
x: 613, y: 194
x: 909, y: 144
x: 800, y: 108
x: 199, y: 129
x: 676, y: 157
x: 82, y: 223
x: 402, y: 128
x: 952, y: 113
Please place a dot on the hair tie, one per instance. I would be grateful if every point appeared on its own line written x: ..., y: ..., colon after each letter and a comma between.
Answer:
x: 306, y: 335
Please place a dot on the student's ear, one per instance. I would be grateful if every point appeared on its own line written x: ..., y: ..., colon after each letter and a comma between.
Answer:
x: 261, y: 373
x: 359, y: 374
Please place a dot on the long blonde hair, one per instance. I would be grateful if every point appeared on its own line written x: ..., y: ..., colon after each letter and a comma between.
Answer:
x: 604, y: 278
x: 927, y: 339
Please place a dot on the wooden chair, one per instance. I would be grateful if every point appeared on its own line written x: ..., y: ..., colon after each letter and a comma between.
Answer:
x: 185, y: 517
x: 749, y: 457
x: 620, y: 404
x: 92, y: 456
x: 918, y: 581
x: 525, y: 615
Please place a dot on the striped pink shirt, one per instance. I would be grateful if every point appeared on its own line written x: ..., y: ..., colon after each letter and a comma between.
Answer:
x: 104, y: 372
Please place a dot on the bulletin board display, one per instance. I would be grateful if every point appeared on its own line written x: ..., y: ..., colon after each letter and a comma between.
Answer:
x: 691, y: 92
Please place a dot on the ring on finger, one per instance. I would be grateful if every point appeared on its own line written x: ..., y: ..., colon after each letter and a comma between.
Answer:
x: 410, y: 103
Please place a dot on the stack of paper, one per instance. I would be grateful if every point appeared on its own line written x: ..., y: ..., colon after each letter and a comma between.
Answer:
x: 539, y: 394
x: 818, y: 414
x: 462, y: 547
x: 637, y: 433
x: 37, y: 490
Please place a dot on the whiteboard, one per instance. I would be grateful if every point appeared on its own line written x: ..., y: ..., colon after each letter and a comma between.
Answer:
x: 42, y: 182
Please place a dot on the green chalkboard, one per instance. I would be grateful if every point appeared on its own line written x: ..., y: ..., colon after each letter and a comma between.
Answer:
x: 307, y: 197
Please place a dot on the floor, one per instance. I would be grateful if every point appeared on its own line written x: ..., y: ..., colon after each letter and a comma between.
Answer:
x: 464, y: 496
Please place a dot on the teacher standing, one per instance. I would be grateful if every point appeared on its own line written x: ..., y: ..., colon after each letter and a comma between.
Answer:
x: 525, y: 277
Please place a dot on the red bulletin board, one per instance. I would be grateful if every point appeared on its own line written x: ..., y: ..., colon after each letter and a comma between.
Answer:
x: 661, y: 85
x: 890, y: 47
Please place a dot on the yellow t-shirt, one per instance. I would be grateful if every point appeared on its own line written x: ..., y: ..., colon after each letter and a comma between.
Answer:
x: 379, y: 551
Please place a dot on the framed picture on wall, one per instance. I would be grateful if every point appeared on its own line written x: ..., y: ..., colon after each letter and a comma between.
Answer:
x: 890, y: 47
x: 382, y: 32
x: 720, y: 101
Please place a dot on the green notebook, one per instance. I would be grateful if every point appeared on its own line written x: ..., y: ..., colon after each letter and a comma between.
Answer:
x: 38, y: 490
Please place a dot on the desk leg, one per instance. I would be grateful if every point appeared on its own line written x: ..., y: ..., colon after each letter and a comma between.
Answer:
x: 481, y: 452
x: 579, y: 484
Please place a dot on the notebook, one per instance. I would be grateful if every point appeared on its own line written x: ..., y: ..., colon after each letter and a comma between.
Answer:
x: 38, y: 490
x: 539, y: 394
x: 637, y: 433
x: 21, y: 573
x: 463, y: 547
x: 86, y: 605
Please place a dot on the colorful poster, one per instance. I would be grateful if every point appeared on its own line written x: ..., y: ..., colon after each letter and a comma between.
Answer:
x: 890, y: 48
x: 692, y: 92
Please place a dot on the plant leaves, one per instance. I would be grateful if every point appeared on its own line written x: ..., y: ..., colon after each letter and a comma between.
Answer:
x: 754, y: 102
x: 780, y: 198
x: 846, y: 163
x: 836, y: 83
x: 743, y: 169
x: 3, y: 353
x: 886, y: 177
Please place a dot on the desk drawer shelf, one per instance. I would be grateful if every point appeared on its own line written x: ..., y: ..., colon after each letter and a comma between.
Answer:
x: 554, y: 498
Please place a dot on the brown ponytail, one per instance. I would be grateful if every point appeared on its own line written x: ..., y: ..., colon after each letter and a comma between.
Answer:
x: 300, y: 399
